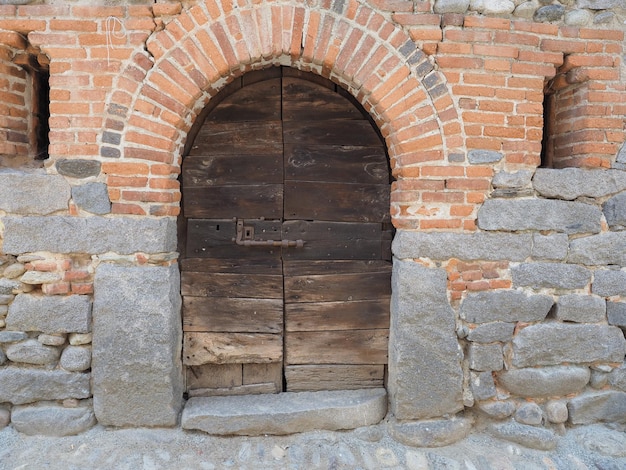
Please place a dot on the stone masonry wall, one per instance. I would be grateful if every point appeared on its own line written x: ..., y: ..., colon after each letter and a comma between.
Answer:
x: 509, y: 285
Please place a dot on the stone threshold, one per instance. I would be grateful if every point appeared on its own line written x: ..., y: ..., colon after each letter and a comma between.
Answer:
x: 285, y: 413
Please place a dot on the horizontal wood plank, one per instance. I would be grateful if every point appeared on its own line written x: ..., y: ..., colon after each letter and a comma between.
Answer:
x: 337, y: 287
x: 336, y: 347
x: 305, y: 100
x: 244, y: 104
x: 263, y: 373
x: 216, y: 314
x: 331, y: 132
x: 333, y: 377
x: 257, y: 286
x: 239, y: 138
x: 214, y: 376
x: 235, y: 266
x: 229, y: 348
x: 215, y: 170
x: 339, y: 202
x: 242, y: 201
x: 253, y: 389
x: 303, y: 268
x: 363, y: 314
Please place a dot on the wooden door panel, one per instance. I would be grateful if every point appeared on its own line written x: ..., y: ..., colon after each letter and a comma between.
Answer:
x: 338, y: 163
x: 231, y: 348
x: 303, y: 268
x: 336, y: 287
x: 330, y: 132
x: 232, y: 266
x: 304, y: 100
x: 217, y: 170
x: 319, y: 316
x: 239, y: 138
x: 215, y: 238
x: 336, y: 202
x: 236, y: 315
x: 242, y: 201
x: 333, y: 377
x: 336, y: 347
x: 244, y: 105
x: 214, y: 376
x: 260, y: 373
x: 255, y: 286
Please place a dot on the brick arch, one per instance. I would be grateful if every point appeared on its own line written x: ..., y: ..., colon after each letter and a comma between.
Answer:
x: 165, y: 87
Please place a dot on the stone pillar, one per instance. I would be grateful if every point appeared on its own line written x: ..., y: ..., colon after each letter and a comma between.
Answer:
x: 137, y: 338
x: 425, y: 375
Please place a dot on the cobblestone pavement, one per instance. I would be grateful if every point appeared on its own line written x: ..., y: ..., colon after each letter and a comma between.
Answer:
x: 590, y: 447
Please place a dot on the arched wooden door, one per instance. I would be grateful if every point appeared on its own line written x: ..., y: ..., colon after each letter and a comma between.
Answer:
x: 286, y: 258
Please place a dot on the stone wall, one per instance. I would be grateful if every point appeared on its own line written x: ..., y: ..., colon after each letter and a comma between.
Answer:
x: 509, y: 281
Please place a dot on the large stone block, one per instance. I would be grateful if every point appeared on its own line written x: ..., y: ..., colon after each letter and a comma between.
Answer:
x: 572, y: 183
x: 550, y: 247
x: 616, y: 313
x: 599, y: 250
x: 475, y: 246
x: 49, y: 419
x: 615, y: 211
x: 425, y: 375
x: 50, y: 314
x: 20, y: 385
x: 607, y: 283
x: 544, y: 382
x: 93, y: 235
x: 505, y: 306
x: 539, y: 214
x: 136, y: 347
x: 556, y: 343
x: 33, y: 193
x: 605, y: 406
x: 550, y: 275
x: 580, y: 308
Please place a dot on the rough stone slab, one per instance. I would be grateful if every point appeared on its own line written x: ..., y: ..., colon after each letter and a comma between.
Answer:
x: 572, y: 183
x: 527, y: 436
x: 92, y: 197
x: 550, y: 247
x: 425, y: 375
x: 136, y: 349
x: 607, y: 283
x: 596, y: 407
x: 580, y: 308
x: 519, y: 179
x: 50, y: 314
x: 475, y: 246
x: 93, y: 235
x: 32, y: 352
x: 616, y: 313
x: 539, y: 214
x: 12, y: 336
x: 33, y: 193
x: 77, y: 168
x: 20, y: 385
x: 52, y: 420
x: 431, y: 433
x: 492, y: 332
x: 599, y: 250
x: 615, y: 211
x: 482, y: 385
x: 550, y: 275
x: 545, y: 382
x: 39, y: 277
x: 285, y: 413
x: 556, y: 343
x: 505, y: 306
x: 481, y: 157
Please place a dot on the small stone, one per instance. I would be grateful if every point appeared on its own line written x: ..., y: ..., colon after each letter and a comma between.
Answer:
x: 485, y: 357
x: 615, y: 211
x: 29, y: 258
x: 92, y: 197
x: 529, y: 413
x: 386, y: 457
x: 498, y: 7
x: 51, y: 340
x: 492, y: 332
x: 369, y: 433
x: 431, y: 433
x: 526, y: 10
x: 52, y: 420
x: 480, y: 157
x: 3, y: 358
x: 9, y: 286
x: 556, y: 411
x: 580, y: 308
x: 617, y: 378
x: 616, y: 313
x: 451, y: 6
x: 549, y: 13
x: 6, y: 299
x: 607, y: 283
x: 78, y: 168
x: 528, y: 436
x: 278, y: 453
x: 597, y: 407
x: 32, y: 352
x: 604, y: 17
x: 517, y: 180
x: 71, y: 403
x: 497, y: 409
x: 598, y: 379
x: 78, y: 339
x: 38, y: 277
x: 5, y: 417
x: 578, y: 17
x: 3, y: 323
x: 12, y: 336
x: 14, y: 270
x: 76, y: 358
x: 483, y: 386
x: 4, y: 309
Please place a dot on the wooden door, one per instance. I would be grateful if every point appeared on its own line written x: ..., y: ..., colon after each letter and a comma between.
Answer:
x: 286, y: 258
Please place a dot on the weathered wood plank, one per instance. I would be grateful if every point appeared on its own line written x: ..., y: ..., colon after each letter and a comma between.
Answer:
x: 216, y: 170
x: 243, y: 201
x: 263, y: 373
x: 337, y: 201
x: 244, y: 105
x: 330, y: 132
x: 336, y: 347
x: 362, y: 314
x: 216, y: 314
x: 251, y: 137
x: 253, y: 389
x: 303, y: 268
x: 333, y: 377
x: 214, y: 376
x: 229, y: 348
x: 305, y: 100
x: 336, y: 163
x: 235, y: 266
x: 337, y: 287
x: 257, y: 286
